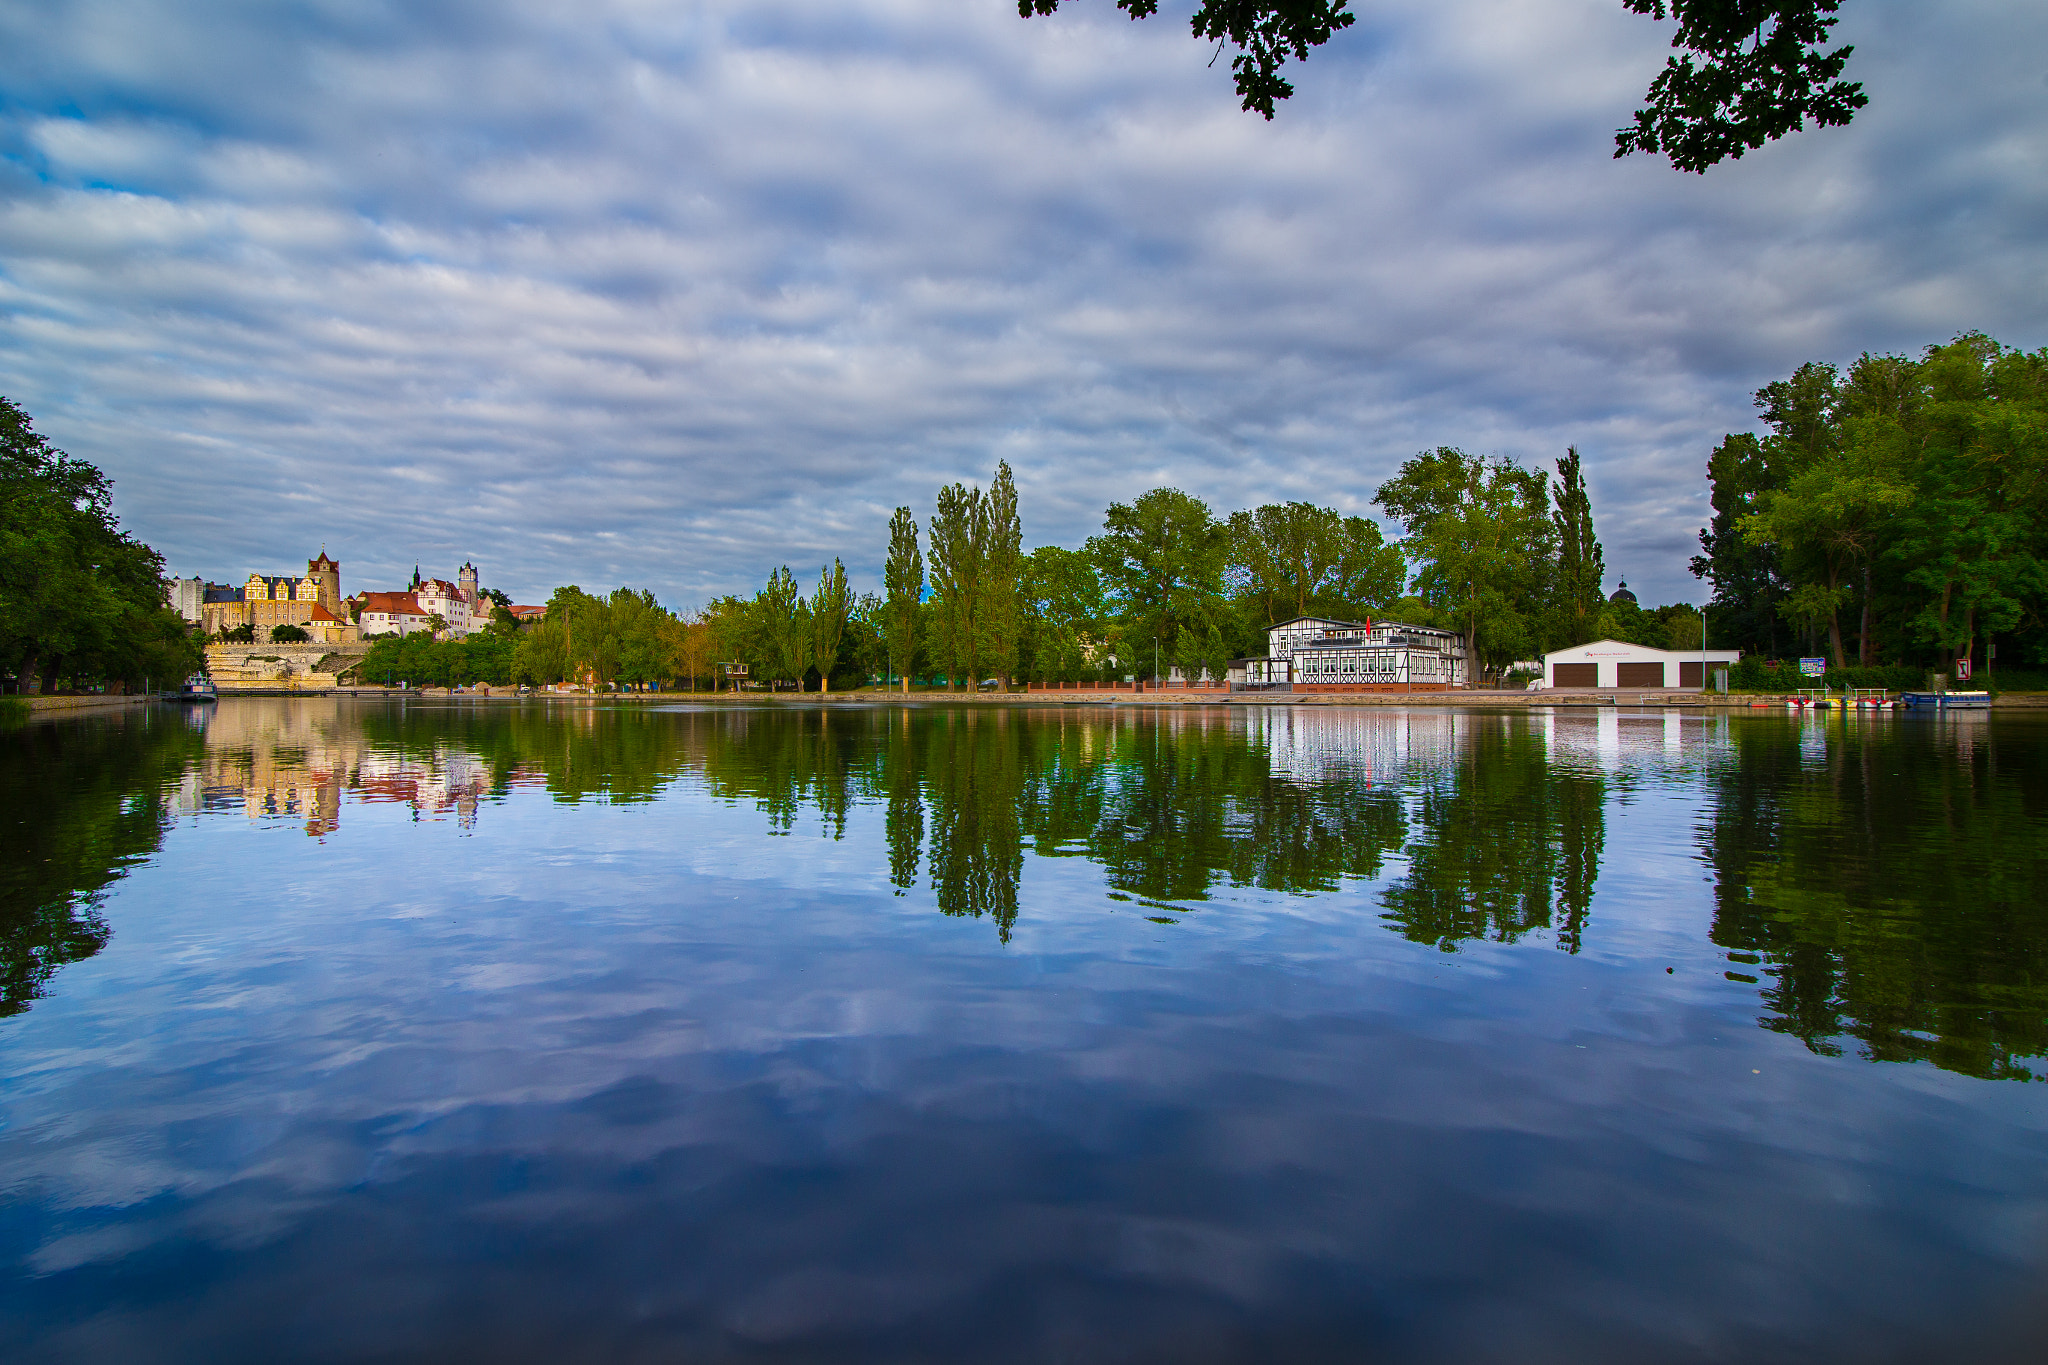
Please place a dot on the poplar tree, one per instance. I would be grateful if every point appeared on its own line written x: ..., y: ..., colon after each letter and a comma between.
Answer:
x: 904, y: 581
x: 829, y: 606
x: 999, y: 617
x: 1580, y: 563
x: 959, y: 533
x: 782, y: 636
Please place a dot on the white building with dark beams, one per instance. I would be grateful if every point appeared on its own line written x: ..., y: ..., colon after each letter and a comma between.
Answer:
x: 1319, y: 654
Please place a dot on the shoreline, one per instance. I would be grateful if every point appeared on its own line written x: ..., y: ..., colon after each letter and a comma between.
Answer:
x: 1669, y: 698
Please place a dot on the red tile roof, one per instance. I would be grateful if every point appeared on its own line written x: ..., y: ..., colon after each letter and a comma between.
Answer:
x: 392, y: 603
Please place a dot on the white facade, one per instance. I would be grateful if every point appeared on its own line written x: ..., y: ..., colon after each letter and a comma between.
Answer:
x: 187, y: 597
x: 438, y: 597
x: 1611, y: 663
x: 461, y: 605
x: 1319, y: 651
x: 391, y: 613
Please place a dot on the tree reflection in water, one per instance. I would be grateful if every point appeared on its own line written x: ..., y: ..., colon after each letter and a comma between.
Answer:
x: 1508, y: 841
x: 1885, y: 878
x: 1875, y: 879
x: 81, y: 802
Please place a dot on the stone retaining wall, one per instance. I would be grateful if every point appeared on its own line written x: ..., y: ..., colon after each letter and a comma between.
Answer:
x: 273, y: 668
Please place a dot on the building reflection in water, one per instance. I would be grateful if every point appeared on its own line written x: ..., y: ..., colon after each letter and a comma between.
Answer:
x: 294, y: 760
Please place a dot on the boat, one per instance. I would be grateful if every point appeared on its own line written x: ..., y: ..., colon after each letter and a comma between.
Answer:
x: 1945, y: 701
x: 198, y: 687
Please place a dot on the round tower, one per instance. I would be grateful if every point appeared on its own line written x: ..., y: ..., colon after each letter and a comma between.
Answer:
x: 326, y: 575
x: 466, y: 580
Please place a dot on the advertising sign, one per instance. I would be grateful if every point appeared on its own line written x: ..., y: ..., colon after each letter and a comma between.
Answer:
x: 1812, y: 668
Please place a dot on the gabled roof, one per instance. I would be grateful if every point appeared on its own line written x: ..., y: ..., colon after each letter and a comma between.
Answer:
x: 1374, y: 624
x: 1689, y: 652
x: 321, y: 613
x: 1319, y: 620
x: 392, y: 604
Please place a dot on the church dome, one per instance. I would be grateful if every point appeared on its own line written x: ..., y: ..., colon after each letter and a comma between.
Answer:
x: 1622, y: 594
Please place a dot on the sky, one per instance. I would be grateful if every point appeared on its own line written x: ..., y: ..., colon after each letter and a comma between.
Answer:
x: 669, y: 294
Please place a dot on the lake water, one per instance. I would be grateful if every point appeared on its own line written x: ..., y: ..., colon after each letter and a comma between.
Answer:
x: 426, y: 1032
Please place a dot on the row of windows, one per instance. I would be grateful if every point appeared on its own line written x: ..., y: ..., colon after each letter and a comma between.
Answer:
x: 1367, y: 666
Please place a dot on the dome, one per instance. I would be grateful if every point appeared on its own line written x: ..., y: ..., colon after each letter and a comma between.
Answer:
x: 1622, y: 594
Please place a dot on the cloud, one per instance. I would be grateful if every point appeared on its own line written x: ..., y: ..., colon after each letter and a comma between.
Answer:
x: 668, y: 294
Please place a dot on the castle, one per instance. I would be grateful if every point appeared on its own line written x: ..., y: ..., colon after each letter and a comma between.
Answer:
x: 315, y: 605
x: 313, y: 602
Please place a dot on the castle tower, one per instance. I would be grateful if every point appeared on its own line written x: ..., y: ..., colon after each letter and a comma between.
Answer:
x: 466, y: 580
x: 326, y: 575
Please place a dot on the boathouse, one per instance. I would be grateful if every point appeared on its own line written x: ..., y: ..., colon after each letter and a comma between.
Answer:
x: 1611, y: 663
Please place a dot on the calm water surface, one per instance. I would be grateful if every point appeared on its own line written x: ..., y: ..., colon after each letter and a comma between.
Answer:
x: 338, y: 1031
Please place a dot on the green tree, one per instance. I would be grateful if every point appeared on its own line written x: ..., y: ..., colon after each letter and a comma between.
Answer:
x: 733, y: 639
x: 79, y: 597
x: 830, y: 606
x: 1970, y: 539
x: 645, y: 651
x: 1831, y: 515
x: 1162, y: 558
x: 1581, y: 565
x: 998, y: 618
x: 1748, y: 584
x: 1753, y: 70
x: 959, y: 561
x: 903, y: 579
x: 1066, y: 623
x: 782, y: 627
x: 288, y: 635
x: 1297, y: 559
x: 1480, y: 534
x: 865, y: 650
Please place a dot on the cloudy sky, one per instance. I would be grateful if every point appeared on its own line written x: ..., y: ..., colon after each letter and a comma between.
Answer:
x: 667, y: 293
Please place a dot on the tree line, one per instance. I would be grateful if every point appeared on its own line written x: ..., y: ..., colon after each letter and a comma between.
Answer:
x: 1499, y: 553
x: 81, y: 600
x: 1892, y: 514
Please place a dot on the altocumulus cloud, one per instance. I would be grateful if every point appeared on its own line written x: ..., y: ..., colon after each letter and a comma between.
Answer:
x: 668, y: 293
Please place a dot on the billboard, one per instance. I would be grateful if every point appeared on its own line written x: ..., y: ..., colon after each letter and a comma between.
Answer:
x: 1812, y: 668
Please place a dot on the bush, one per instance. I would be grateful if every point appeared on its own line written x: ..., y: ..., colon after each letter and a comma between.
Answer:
x: 1756, y: 674
x: 2009, y: 680
x: 288, y: 635
x: 426, y: 662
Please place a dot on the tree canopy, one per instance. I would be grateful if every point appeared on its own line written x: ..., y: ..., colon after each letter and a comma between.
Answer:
x: 80, y: 599
x: 1894, y: 512
x: 1750, y: 72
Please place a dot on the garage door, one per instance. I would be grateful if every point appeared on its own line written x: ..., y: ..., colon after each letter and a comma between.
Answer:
x: 1575, y: 675
x: 1639, y: 675
x: 1690, y: 675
